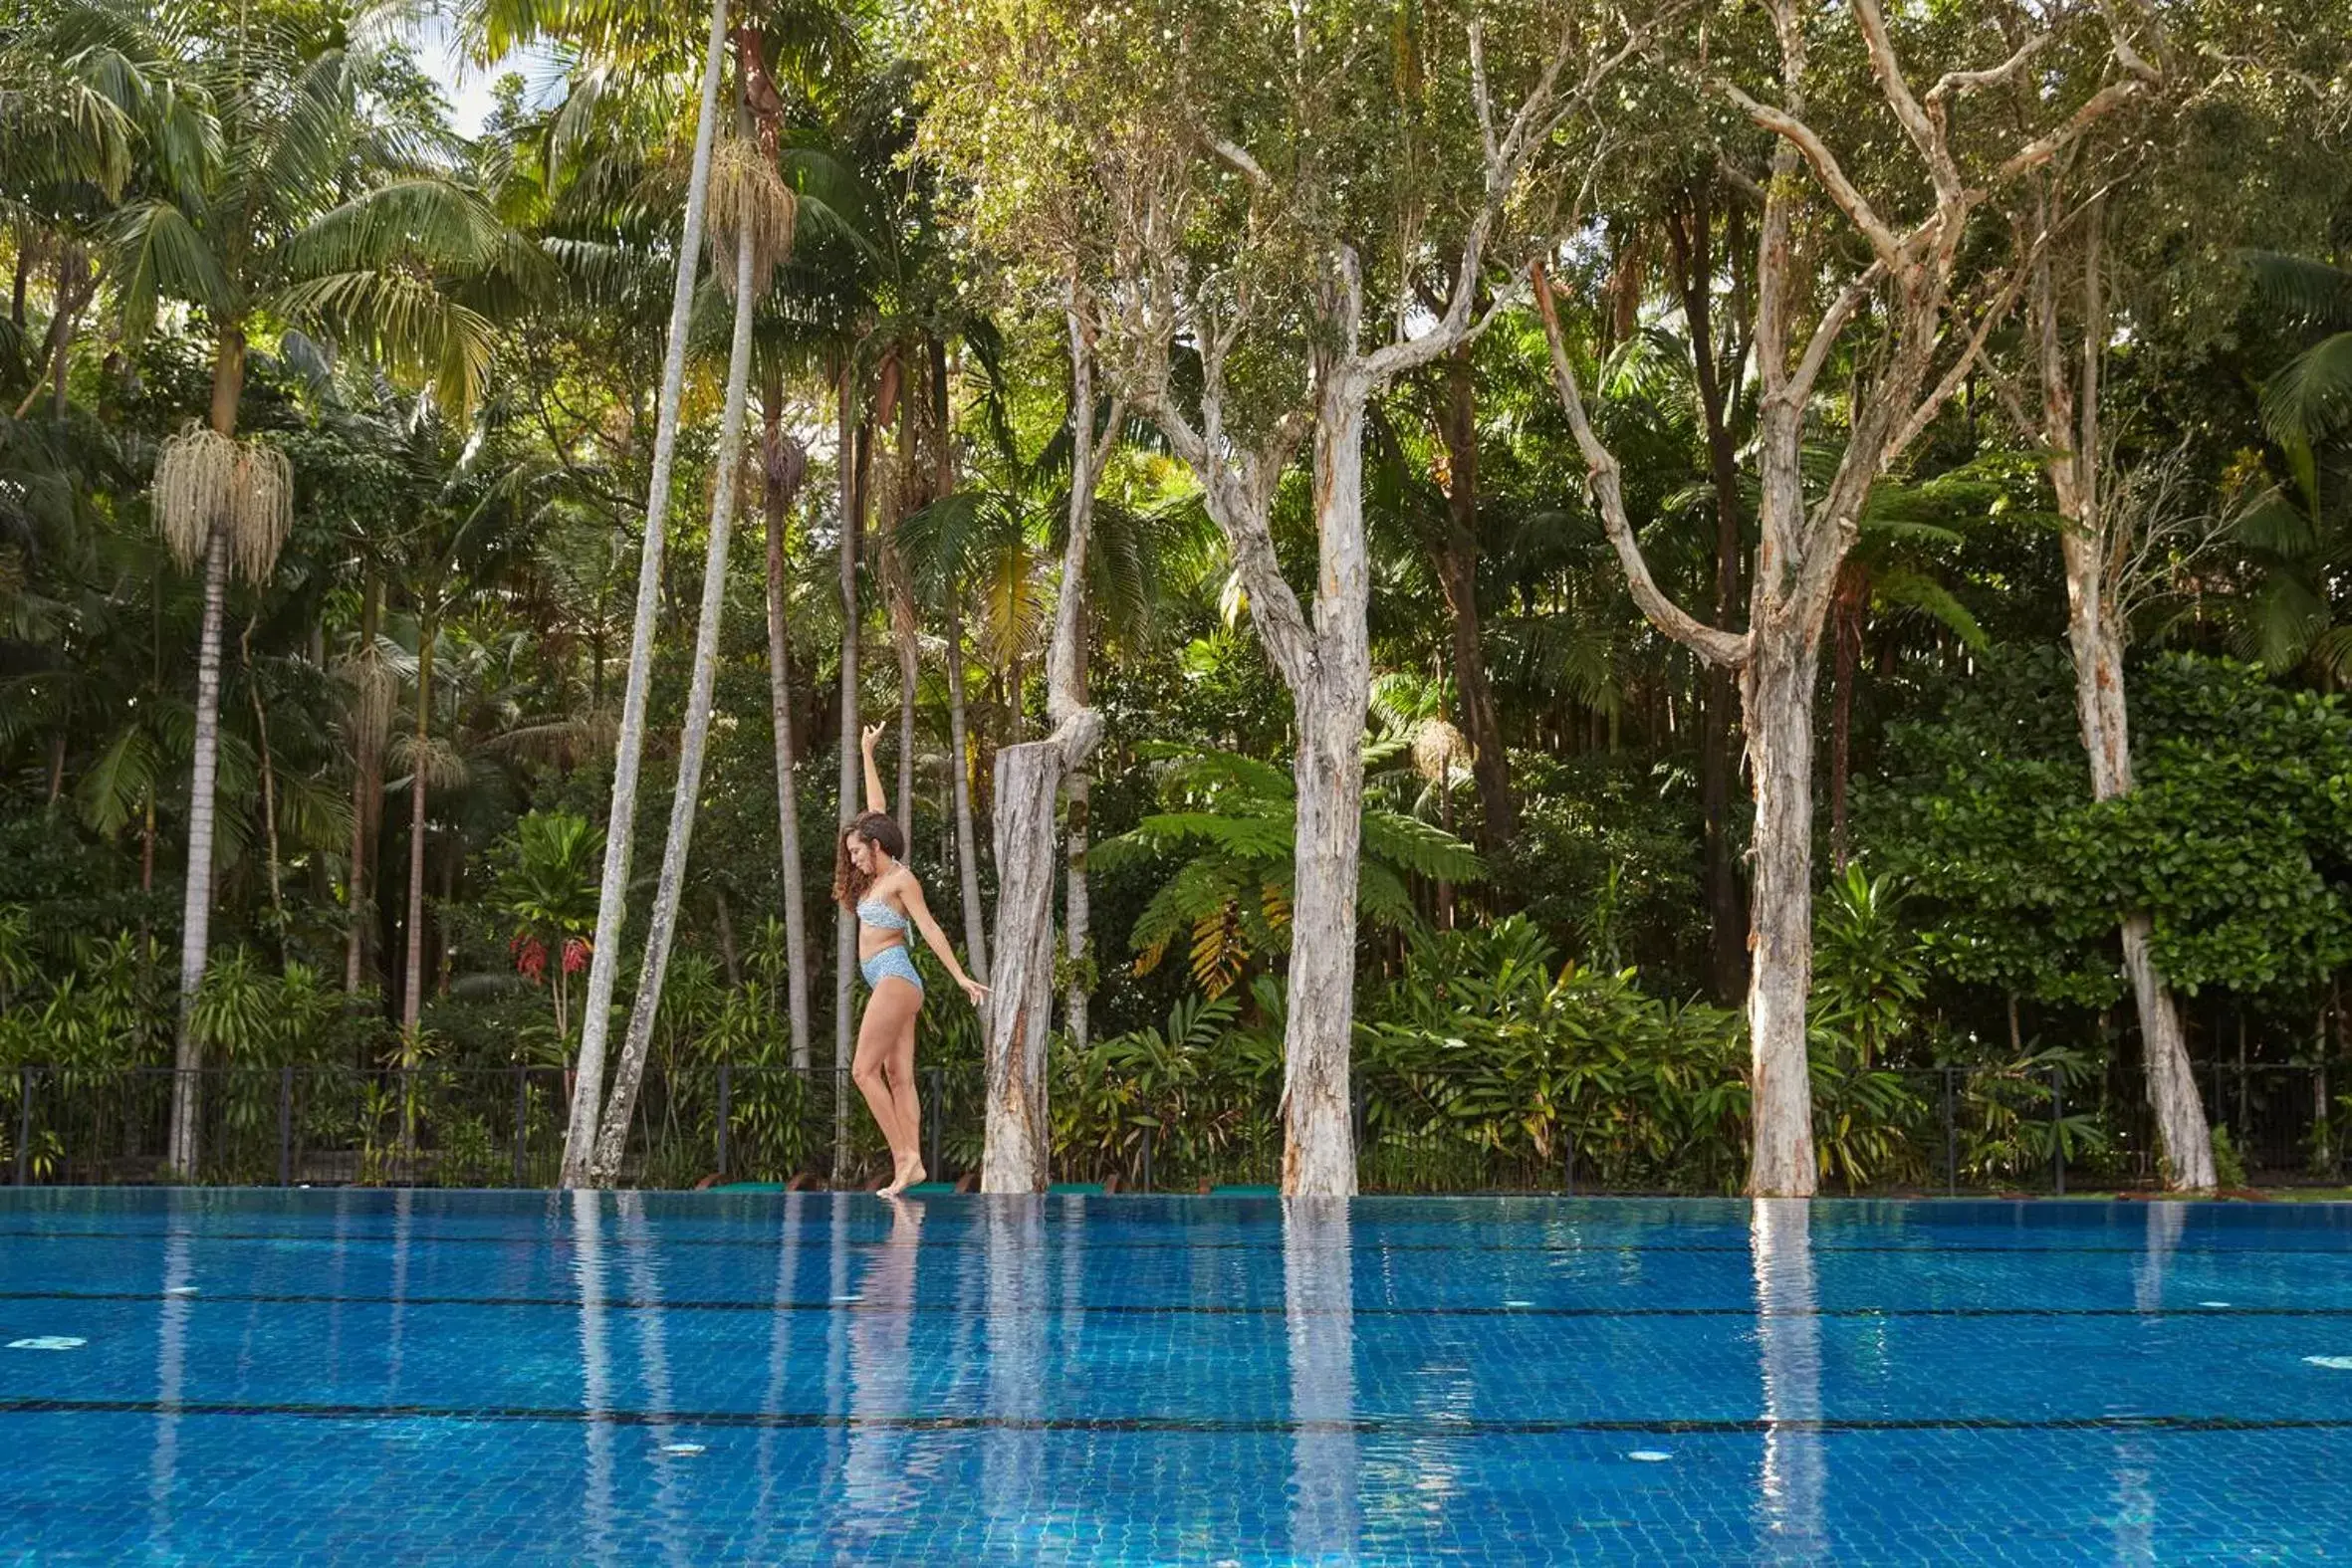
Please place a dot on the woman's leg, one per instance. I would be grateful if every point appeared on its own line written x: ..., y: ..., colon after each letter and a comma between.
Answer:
x: 900, y: 1067
x: 888, y: 1011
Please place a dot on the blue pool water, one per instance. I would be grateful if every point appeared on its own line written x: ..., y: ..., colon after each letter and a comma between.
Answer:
x: 472, y: 1377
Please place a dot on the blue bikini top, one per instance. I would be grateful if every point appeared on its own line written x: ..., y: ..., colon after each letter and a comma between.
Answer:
x: 880, y: 916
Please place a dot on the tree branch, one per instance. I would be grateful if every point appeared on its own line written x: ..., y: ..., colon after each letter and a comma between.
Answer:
x: 1842, y: 191
x: 1710, y: 644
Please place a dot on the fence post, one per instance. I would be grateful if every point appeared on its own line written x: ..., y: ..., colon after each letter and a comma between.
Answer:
x: 521, y: 1117
x: 24, y: 1120
x: 1150, y: 1136
x: 726, y: 1111
x: 934, y: 1080
x: 2058, y: 1131
x: 285, y: 1126
x: 1567, y: 1144
x: 1950, y: 1142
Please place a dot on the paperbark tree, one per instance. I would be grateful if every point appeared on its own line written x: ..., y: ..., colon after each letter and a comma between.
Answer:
x: 2096, y: 548
x: 1215, y: 174
x: 588, y: 1095
x: 1912, y: 288
x: 1018, y: 1153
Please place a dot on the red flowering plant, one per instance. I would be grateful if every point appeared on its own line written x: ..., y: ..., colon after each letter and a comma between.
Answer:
x: 547, y: 885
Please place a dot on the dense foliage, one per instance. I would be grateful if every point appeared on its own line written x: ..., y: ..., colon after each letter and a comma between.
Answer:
x: 451, y: 341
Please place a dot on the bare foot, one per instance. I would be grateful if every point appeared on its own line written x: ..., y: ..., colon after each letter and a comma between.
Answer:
x: 909, y: 1172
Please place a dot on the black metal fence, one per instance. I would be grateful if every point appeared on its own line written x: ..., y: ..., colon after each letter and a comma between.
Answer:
x: 1953, y: 1129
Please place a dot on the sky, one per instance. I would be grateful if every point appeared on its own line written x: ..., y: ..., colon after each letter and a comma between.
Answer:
x: 467, y: 89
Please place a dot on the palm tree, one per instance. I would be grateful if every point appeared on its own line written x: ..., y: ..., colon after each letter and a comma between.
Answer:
x: 260, y: 136
x: 752, y: 207
x: 612, y: 898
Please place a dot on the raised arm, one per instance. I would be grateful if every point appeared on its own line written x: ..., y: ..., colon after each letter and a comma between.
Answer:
x: 875, y: 798
x: 910, y: 893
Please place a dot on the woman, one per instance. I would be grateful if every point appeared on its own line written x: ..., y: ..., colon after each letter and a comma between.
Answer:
x: 870, y: 879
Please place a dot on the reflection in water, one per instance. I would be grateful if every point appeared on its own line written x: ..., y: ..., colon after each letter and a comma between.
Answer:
x: 2134, y: 1520
x: 780, y: 1338
x: 1013, y: 1461
x: 1795, y: 1467
x: 171, y: 1355
x: 876, y: 1496
x: 2165, y: 1224
x: 1318, y: 1304
x: 403, y: 1225
x: 595, y: 1371
x: 644, y: 1280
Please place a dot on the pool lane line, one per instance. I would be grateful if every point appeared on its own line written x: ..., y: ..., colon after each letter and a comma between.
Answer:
x: 1157, y: 1309
x: 820, y: 1236
x: 1362, y: 1426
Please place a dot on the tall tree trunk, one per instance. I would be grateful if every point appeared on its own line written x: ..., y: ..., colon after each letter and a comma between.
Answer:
x: 694, y: 736
x: 1778, y: 692
x: 269, y: 788
x: 412, y: 982
x: 786, y: 465
x: 960, y: 779
x: 1456, y: 560
x: 1017, y: 1155
x: 1319, y: 1133
x: 228, y: 383
x: 1691, y: 235
x: 596, y: 1023
x: 2093, y: 557
x: 1845, y: 626
x: 853, y: 444
x: 1077, y: 905
x: 367, y: 783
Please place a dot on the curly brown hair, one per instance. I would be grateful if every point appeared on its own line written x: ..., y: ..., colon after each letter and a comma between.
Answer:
x: 878, y: 828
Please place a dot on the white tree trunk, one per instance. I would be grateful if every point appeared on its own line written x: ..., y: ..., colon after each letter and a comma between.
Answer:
x: 1777, y: 693
x: 196, y: 902
x: 1018, y: 1153
x: 693, y: 739
x: 960, y: 774
x: 1020, y: 1007
x: 845, y: 923
x: 1319, y: 1131
x: 784, y: 469
x: 2094, y: 634
x: 620, y: 826
x: 1078, y: 914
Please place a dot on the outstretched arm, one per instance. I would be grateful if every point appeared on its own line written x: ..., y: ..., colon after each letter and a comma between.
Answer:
x: 910, y: 893
x: 876, y: 799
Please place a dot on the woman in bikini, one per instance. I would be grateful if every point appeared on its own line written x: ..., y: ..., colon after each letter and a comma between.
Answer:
x: 870, y: 879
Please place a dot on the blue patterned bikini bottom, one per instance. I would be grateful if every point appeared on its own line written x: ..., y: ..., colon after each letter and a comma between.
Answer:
x: 893, y: 962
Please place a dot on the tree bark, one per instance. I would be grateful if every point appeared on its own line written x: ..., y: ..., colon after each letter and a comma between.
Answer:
x: 1691, y: 236
x: 366, y: 780
x: 2092, y: 558
x: 1319, y: 1131
x: 786, y: 465
x: 1456, y: 558
x: 1845, y: 623
x: 620, y: 826
x: 1017, y: 1156
x: 1077, y: 911
x: 693, y: 738
x: 1778, y: 692
x: 852, y: 445
x: 967, y: 839
x: 412, y: 981
x: 228, y: 383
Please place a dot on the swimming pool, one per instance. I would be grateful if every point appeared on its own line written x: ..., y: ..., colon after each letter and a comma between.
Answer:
x: 406, y: 1376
